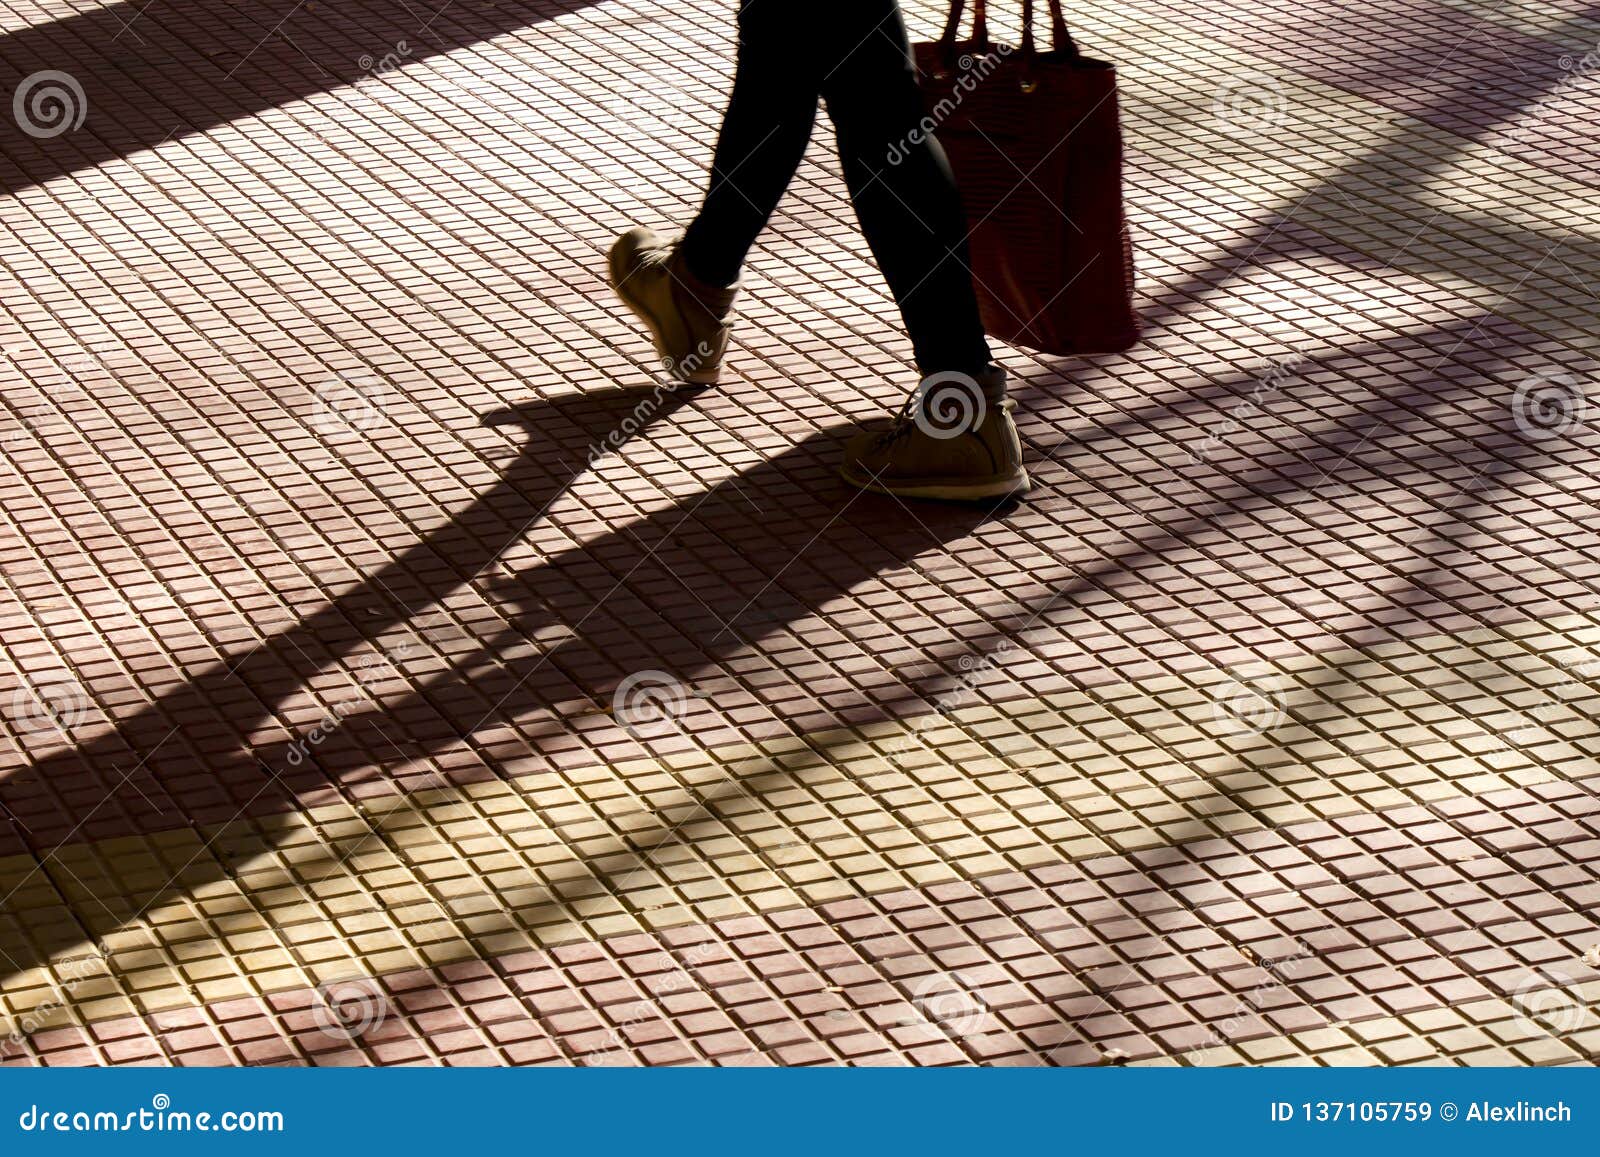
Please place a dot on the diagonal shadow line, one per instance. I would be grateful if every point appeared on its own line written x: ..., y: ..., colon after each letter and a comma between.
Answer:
x: 152, y: 73
x: 1411, y: 149
x: 1418, y: 580
x: 1416, y: 589
x: 1208, y: 287
x: 252, y: 686
x: 724, y: 550
x: 1418, y: 138
x: 854, y: 555
x: 450, y: 557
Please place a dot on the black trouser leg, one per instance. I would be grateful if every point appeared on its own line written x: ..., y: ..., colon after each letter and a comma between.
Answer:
x: 763, y: 139
x: 854, y: 53
x: 910, y: 212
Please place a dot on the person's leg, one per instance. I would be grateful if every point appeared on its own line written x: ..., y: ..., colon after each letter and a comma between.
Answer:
x: 955, y: 439
x: 684, y: 292
x: 901, y: 185
x: 764, y: 136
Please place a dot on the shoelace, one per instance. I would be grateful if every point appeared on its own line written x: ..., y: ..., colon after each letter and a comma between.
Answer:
x: 905, y: 421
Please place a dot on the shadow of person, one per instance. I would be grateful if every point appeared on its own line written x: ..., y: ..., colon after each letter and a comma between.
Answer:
x: 192, y: 742
x: 716, y: 591
x: 682, y: 591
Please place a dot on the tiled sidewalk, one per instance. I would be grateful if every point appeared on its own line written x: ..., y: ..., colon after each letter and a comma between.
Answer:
x: 353, y: 714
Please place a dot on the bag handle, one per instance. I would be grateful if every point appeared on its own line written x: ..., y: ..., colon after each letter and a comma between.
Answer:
x: 980, y: 26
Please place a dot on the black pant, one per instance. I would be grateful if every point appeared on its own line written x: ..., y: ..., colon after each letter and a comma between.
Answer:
x: 853, y: 54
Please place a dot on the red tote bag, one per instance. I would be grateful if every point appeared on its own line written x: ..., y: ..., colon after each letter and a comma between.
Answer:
x: 1036, y: 144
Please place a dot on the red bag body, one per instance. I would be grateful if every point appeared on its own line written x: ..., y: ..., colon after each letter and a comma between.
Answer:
x: 1036, y: 144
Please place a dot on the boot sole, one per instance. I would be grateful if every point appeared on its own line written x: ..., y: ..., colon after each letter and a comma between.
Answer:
x: 943, y: 490
x: 617, y: 277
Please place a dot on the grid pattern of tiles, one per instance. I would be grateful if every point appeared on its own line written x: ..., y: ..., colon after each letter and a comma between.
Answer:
x: 437, y: 876
x: 1265, y: 731
x: 1450, y: 933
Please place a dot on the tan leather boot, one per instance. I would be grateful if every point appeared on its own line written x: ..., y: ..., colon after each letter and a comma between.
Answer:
x: 954, y: 439
x: 687, y: 319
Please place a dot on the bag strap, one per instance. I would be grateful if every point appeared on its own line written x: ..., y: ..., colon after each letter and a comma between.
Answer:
x: 980, y: 23
x: 1059, y: 36
x: 980, y: 26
